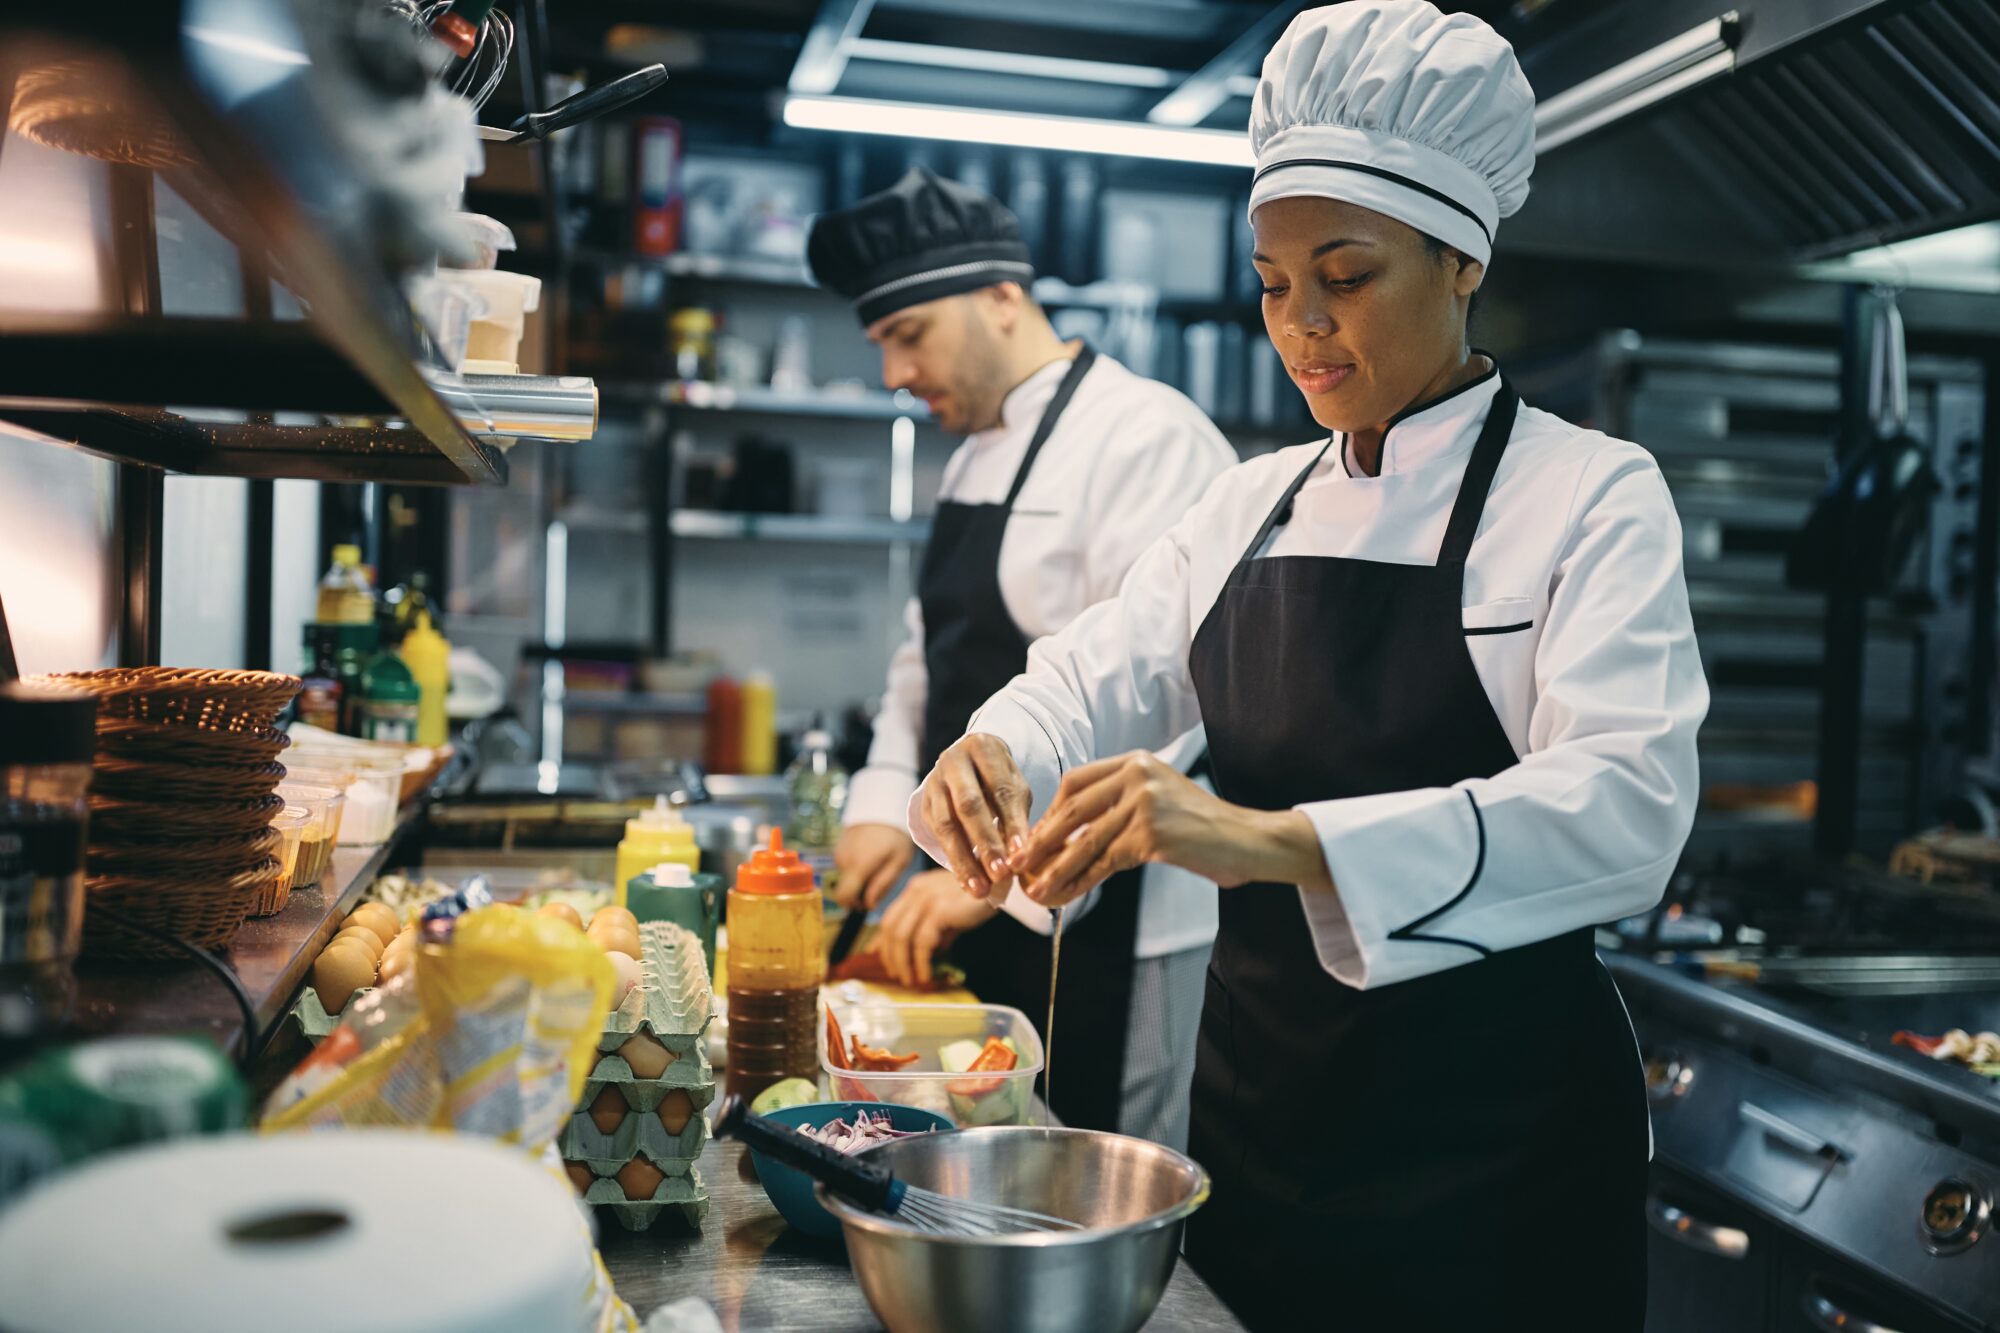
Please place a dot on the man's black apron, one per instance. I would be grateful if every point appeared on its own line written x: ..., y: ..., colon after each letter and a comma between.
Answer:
x: 972, y: 648
x: 1464, y: 1150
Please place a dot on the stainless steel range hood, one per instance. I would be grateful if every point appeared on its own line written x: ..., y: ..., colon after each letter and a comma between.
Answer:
x: 1782, y: 131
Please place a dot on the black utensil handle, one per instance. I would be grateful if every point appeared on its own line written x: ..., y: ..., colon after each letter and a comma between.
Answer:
x: 591, y: 102
x: 850, y: 930
x: 862, y: 1183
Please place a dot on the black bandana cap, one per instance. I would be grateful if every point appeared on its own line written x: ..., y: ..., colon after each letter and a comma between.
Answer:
x: 921, y: 239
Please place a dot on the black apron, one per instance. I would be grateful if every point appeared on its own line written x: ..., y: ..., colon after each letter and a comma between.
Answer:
x: 1463, y: 1150
x: 972, y: 648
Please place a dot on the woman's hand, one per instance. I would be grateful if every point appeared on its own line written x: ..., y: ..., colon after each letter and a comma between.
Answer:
x: 976, y: 801
x: 870, y: 858
x: 928, y: 915
x: 1123, y: 812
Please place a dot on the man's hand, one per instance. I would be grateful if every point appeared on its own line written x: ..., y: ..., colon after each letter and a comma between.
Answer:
x: 870, y: 858
x: 1124, y: 812
x: 927, y: 916
x: 976, y: 801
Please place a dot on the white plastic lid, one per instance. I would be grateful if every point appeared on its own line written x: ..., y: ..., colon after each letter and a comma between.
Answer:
x: 662, y: 816
x: 673, y: 875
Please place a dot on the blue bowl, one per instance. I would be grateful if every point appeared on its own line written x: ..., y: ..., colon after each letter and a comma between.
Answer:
x: 791, y: 1190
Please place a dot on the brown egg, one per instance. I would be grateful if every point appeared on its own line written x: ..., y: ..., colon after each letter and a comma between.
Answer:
x: 676, y: 1109
x: 394, y: 964
x: 378, y: 917
x: 648, y: 1058
x: 338, y: 973
x: 607, y: 1110
x: 639, y: 1178
x: 615, y: 937
x: 362, y: 936
x: 560, y: 912
x: 579, y: 1176
x: 615, y: 913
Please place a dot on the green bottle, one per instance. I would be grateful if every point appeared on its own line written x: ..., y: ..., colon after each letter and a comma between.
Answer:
x: 389, y: 700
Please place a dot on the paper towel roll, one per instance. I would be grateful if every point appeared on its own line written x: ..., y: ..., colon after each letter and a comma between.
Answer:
x: 384, y: 1230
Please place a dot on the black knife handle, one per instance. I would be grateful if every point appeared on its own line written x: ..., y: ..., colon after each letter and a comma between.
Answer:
x: 591, y: 103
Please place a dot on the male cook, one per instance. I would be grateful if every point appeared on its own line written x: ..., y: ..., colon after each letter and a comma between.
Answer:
x: 1072, y: 465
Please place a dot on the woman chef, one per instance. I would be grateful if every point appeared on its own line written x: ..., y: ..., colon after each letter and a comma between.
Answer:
x: 1451, y: 692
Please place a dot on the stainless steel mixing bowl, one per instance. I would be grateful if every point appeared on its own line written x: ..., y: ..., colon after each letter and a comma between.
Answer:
x: 1132, y: 1195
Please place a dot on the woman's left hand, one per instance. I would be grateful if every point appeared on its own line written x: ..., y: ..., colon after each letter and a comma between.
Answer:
x: 1123, y: 812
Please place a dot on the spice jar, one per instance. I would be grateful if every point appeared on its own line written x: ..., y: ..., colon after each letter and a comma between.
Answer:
x: 46, y: 739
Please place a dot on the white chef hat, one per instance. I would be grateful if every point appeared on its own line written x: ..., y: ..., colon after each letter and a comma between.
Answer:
x: 1392, y: 105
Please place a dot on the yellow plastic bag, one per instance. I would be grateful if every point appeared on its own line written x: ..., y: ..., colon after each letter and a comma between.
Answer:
x: 493, y: 1032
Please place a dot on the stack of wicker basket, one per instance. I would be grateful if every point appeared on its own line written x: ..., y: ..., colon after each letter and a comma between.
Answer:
x: 181, y: 802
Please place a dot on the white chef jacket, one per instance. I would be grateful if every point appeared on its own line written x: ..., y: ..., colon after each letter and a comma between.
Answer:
x: 1601, y: 693
x: 1126, y: 459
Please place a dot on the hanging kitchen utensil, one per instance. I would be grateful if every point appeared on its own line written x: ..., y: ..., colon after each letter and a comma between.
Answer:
x: 586, y: 105
x: 1870, y: 515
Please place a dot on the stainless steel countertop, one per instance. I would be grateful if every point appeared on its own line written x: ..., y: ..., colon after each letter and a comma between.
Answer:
x: 763, y: 1277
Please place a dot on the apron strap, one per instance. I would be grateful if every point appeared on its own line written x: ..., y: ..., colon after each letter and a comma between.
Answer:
x: 1281, y: 512
x: 1065, y: 391
x: 1479, y: 471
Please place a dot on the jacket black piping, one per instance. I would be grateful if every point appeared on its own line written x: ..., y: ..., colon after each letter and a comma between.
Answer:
x: 1499, y: 629
x: 1408, y: 931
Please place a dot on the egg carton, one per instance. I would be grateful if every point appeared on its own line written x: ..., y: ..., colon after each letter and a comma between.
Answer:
x: 684, y: 1197
x: 672, y: 1000
x: 641, y: 1133
x: 691, y: 1072
x: 313, y: 1019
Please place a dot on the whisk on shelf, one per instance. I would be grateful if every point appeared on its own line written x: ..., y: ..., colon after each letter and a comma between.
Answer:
x: 866, y: 1185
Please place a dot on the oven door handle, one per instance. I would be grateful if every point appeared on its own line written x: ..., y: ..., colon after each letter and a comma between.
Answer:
x: 1787, y: 1133
x: 1683, y: 1227
x: 1826, y: 1313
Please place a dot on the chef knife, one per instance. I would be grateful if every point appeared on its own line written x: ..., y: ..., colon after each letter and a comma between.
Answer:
x: 850, y: 930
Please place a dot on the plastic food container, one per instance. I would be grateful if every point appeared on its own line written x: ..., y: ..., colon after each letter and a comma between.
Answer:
x: 978, y: 1099
x: 373, y: 789
x: 324, y: 805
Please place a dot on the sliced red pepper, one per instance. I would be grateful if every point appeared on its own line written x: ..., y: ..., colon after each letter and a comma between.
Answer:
x: 877, y: 1060
x: 848, y: 1089
x: 1917, y: 1042
x: 995, y: 1056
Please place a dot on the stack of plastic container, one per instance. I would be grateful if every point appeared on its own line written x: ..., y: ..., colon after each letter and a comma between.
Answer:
x: 631, y: 1146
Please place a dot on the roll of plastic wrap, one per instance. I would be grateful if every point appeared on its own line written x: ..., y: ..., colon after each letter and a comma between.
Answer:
x: 385, y: 1230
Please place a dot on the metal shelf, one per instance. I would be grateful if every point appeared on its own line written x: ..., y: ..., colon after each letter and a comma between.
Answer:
x: 271, y: 956
x: 749, y: 271
x: 702, y: 396
x: 707, y: 524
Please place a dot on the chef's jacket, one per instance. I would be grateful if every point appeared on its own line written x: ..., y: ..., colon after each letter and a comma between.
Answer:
x: 1576, y: 617
x: 1126, y: 460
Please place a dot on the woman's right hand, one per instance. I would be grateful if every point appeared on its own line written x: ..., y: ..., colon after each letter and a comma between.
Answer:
x: 976, y: 801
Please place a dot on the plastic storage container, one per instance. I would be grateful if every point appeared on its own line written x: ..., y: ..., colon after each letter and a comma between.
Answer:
x: 1005, y: 1098
x: 46, y: 740
x: 777, y: 958
x: 659, y: 836
x: 324, y: 804
x: 291, y: 824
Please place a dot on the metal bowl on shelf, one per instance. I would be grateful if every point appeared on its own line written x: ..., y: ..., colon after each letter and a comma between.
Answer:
x: 1132, y: 1196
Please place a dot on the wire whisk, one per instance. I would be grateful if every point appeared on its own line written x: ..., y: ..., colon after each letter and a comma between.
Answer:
x: 867, y: 1185
x: 478, y: 76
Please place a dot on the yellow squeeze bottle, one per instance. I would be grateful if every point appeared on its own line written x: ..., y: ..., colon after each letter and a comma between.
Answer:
x: 760, y: 725
x: 427, y: 654
x: 659, y: 836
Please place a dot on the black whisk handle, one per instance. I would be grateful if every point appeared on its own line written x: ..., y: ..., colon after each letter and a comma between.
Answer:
x: 861, y: 1183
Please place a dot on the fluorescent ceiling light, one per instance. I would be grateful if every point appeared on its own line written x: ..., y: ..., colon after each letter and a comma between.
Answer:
x: 1697, y: 55
x: 1014, y: 129
x: 1010, y: 62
